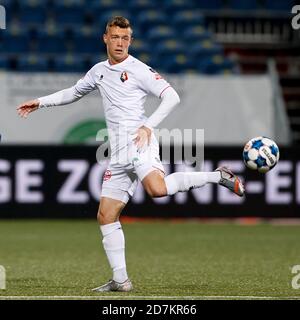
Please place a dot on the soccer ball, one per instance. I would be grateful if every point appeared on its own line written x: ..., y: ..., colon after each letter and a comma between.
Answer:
x: 261, y: 154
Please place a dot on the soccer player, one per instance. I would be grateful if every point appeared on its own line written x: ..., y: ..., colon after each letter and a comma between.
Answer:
x: 124, y: 82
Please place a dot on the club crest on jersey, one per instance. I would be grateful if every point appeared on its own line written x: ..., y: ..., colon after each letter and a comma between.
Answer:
x: 124, y: 76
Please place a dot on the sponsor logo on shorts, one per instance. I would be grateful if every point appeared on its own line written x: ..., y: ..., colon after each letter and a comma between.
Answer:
x: 107, y: 175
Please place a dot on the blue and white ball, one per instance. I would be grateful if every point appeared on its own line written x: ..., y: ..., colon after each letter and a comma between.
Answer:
x: 261, y: 154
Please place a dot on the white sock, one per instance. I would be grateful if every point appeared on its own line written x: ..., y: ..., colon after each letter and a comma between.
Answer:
x: 114, y: 246
x: 184, y: 181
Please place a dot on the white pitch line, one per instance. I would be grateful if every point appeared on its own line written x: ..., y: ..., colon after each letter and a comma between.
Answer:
x: 144, y: 297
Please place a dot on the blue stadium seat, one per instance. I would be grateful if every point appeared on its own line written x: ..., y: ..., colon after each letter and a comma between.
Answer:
x: 147, y: 58
x: 177, y: 63
x: 177, y: 5
x: 139, y: 46
x: 15, y: 42
x: 98, y: 6
x: 195, y: 33
x: 32, y: 63
x: 40, y: 3
x: 90, y: 45
x: 70, y: 16
x: 210, y: 4
x: 149, y: 18
x: 205, y: 48
x: 169, y: 35
x: 51, y: 41
x: 100, y: 21
x: 242, y: 5
x: 188, y: 18
x: 51, y: 44
x: 216, y: 64
x: 32, y: 16
x: 137, y: 33
x: 33, y: 12
x: 69, y: 12
x: 139, y: 5
x: 169, y: 46
x: 66, y: 3
x: 69, y: 63
x: 171, y: 55
x: 96, y: 58
x: 280, y: 5
x: 161, y: 32
x: 87, y: 41
x: 4, y: 63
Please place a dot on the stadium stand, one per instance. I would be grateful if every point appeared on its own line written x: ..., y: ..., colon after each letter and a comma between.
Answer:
x: 32, y: 62
x: 254, y: 33
x: 55, y: 35
x: 174, y: 36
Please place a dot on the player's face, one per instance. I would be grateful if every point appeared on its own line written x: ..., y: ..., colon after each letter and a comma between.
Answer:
x: 117, y: 42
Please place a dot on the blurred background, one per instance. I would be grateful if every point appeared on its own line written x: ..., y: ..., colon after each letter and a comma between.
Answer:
x: 235, y: 65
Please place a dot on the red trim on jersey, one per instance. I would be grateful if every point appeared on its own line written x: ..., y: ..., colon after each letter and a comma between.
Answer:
x: 164, y: 90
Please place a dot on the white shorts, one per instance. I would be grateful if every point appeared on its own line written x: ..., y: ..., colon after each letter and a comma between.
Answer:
x: 121, y: 178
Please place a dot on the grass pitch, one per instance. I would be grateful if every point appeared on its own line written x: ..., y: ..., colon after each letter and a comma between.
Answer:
x: 185, y: 260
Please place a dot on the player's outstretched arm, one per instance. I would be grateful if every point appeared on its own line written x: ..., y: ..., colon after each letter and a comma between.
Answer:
x: 63, y: 97
x: 29, y: 106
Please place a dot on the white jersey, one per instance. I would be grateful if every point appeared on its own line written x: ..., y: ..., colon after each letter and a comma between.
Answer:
x: 123, y: 87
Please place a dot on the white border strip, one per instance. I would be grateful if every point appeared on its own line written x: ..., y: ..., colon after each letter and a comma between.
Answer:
x: 147, y: 297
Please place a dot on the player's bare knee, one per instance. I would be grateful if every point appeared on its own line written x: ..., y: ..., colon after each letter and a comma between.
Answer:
x: 109, y: 211
x: 156, y: 192
x: 155, y: 185
x: 101, y: 218
x: 104, y: 218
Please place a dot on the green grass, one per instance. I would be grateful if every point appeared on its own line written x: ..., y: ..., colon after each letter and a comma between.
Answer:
x: 65, y: 258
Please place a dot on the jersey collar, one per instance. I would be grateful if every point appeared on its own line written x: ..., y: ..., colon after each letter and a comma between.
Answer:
x: 121, y: 64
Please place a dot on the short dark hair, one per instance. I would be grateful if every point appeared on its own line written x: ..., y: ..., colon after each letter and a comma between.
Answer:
x: 118, y: 21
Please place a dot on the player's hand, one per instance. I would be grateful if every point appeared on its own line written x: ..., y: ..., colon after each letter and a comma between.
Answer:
x: 29, y: 106
x: 143, y: 136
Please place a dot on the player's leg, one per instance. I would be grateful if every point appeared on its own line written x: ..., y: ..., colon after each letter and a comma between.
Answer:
x: 118, y: 185
x: 114, y: 244
x: 184, y: 181
x: 156, y: 185
x: 109, y: 210
x: 150, y: 171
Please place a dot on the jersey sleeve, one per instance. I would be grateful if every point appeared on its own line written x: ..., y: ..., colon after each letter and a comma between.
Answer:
x: 86, y: 84
x: 69, y: 95
x: 152, y: 82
